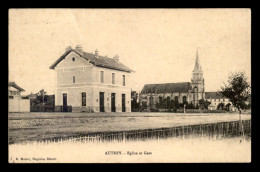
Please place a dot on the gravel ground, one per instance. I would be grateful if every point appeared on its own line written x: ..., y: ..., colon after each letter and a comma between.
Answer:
x: 38, y: 126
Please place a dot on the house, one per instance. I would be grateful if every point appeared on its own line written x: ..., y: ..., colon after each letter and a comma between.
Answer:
x: 212, y: 107
x: 90, y: 82
x: 182, y: 92
x: 216, y: 98
x: 15, y: 101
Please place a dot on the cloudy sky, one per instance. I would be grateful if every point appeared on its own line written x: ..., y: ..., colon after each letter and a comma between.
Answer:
x: 158, y: 44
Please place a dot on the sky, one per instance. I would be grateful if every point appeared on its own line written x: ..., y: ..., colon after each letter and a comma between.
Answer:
x: 158, y: 44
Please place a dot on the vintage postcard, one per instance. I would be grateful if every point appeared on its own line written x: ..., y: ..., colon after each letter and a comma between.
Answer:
x: 129, y: 85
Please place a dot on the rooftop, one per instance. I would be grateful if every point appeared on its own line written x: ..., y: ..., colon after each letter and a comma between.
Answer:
x: 180, y: 87
x: 100, y: 61
x: 13, y: 84
x: 213, y: 95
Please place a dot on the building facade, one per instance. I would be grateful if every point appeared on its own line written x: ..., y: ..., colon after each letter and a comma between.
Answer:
x: 92, y: 83
x: 182, y: 92
x: 216, y: 98
x: 15, y: 101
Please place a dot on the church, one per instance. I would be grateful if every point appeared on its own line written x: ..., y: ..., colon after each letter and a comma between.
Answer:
x: 182, y: 91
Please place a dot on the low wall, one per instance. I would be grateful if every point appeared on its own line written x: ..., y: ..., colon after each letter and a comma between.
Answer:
x: 192, y: 111
x: 211, y: 131
x: 19, y: 105
x: 204, y: 111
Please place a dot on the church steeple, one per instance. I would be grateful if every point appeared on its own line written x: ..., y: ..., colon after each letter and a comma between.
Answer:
x: 197, y: 81
x: 197, y: 63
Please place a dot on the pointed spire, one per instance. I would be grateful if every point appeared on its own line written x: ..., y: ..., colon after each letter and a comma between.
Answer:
x: 197, y: 63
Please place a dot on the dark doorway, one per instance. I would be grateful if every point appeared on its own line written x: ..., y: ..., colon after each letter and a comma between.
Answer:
x: 123, y: 102
x: 101, y: 102
x: 65, y: 107
x: 113, y: 102
x: 64, y: 99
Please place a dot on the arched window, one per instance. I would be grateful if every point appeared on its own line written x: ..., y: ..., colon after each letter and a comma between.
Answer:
x: 160, y: 99
x: 168, y: 98
x: 151, y: 101
x: 184, y: 99
x: 176, y: 98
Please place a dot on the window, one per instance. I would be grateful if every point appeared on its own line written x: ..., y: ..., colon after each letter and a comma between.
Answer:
x: 73, y: 59
x: 184, y: 99
x: 123, y: 80
x: 113, y: 78
x: 83, y: 95
x: 73, y: 79
x: 102, y: 76
x: 160, y: 99
x: 176, y: 99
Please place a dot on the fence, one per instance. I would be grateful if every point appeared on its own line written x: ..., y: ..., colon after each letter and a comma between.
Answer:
x: 46, y: 108
x: 63, y: 108
x: 204, y: 111
x: 213, y: 131
x: 42, y: 108
x: 19, y: 105
x: 192, y: 111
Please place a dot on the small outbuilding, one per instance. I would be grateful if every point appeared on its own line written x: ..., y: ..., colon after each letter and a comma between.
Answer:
x: 15, y: 101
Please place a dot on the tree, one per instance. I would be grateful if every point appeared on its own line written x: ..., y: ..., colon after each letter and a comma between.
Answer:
x: 190, y: 106
x: 176, y: 104
x: 249, y: 106
x: 143, y: 106
x: 237, y: 90
x: 41, y: 96
x: 220, y: 106
x: 134, y: 104
x: 201, y: 103
x: 172, y: 104
x: 227, y: 106
x: 204, y: 104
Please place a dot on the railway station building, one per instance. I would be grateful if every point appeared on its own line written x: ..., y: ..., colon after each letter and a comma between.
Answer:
x: 90, y: 82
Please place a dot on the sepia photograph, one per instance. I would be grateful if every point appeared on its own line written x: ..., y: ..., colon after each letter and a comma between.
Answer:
x: 129, y: 85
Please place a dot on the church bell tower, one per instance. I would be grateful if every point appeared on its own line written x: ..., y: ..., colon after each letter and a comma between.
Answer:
x: 197, y: 82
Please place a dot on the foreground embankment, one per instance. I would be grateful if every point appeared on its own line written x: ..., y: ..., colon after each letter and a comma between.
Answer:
x: 165, y: 150
x: 46, y: 126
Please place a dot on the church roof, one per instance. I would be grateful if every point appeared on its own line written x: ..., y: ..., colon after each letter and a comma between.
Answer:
x: 13, y: 84
x: 100, y: 61
x: 180, y: 87
x: 213, y: 95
